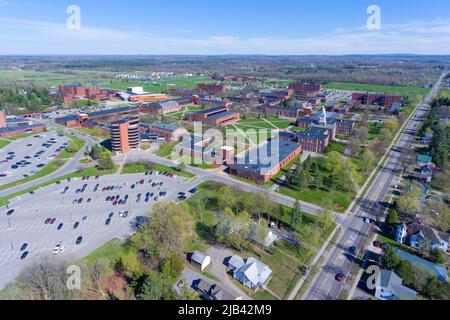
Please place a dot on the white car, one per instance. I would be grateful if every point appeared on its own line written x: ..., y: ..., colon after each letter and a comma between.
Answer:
x: 57, y: 248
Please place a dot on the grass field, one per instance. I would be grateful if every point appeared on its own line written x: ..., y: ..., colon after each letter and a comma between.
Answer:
x: 338, y: 147
x: 66, y: 154
x: 166, y: 149
x: 340, y: 199
x: 4, y: 143
x: 26, y: 135
x: 402, y: 90
x: 254, y: 123
x: 141, y: 167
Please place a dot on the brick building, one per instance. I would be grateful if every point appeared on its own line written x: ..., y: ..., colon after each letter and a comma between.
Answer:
x: 170, y: 132
x: 105, y: 115
x: 383, y: 100
x: 125, y: 135
x: 219, y: 116
x: 306, y: 89
x: 211, y: 89
x: 161, y: 108
x: 264, y: 162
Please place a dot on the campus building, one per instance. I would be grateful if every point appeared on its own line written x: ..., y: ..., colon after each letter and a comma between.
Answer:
x: 13, y: 127
x: 284, y: 112
x: 383, y: 100
x: 306, y: 89
x: 211, y: 89
x: 137, y: 94
x: 161, y: 108
x: 170, y: 132
x: 262, y: 163
x: 333, y: 122
x: 74, y: 92
x: 125, y: 135
x: 79, y: 120
x: 219, y: 116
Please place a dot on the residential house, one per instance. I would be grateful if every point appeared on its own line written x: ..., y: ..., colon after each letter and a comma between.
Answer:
x: 389, y: 286
x: 423, y: 159
x: 253, y: 274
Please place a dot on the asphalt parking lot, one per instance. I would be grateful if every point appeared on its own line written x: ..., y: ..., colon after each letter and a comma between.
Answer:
x: 25, y: 157
x: 48, y: 217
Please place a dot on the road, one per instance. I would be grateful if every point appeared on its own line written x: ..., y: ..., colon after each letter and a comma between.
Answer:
x: 218, y: 176
x: 354, y: 229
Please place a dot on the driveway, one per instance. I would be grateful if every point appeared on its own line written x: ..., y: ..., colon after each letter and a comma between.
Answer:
x: 219, y: 270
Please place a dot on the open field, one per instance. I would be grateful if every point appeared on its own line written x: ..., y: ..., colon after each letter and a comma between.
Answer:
x: 257, y: 124
x: 405, y: 90
x: 4, y: 143
x: 166, y: 149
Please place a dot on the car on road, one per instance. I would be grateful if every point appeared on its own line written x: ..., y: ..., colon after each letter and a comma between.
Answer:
x: 48, y: 221
x: 85, y: 218
x: 108, y: 222
x: 377, y: 244
x: 193, y: 191
x: 10, y: 212
x: 79, y: 240
x: 60, y: 226
x: 76, y: 225
x: 24, y: 255
x: 340, y: 277
x: 23, y: 247
x: 111, y: 215
x: 52, y: 221
x: 89, y: 200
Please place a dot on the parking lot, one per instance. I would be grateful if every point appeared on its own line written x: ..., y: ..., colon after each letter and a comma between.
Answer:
x: 72, y: 218
x: 26, y: 157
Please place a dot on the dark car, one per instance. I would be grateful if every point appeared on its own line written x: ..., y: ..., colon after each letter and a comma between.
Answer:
x: 79, y: 240
x: 76, y: 225
x: 377, y: 244
x: 60, y: 226
x: 340, y: 277
x: 24, y: 255
x: 352, y: 249
x: 80, y: 200
x: 48, y: 221
x: 108, y: 222
x: 193, y: 190
x: 10, y: 212
x: 41, y: 165
x: 108, y: 198
x: 23, y: 247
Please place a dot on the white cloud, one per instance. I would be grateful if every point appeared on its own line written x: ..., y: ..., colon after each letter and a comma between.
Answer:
x: 37, y: 37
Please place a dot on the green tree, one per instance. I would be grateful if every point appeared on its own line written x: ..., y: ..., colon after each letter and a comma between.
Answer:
x: 173, y: 266
x: 129, y: 265
x: 154, y: 286
x: 393, y: 218
x: 72, y: 147
x: 105, y: 162
x: 96, y: 152
x: 297, y: 215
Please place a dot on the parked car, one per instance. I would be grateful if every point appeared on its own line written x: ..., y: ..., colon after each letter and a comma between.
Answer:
x: 79, y: 240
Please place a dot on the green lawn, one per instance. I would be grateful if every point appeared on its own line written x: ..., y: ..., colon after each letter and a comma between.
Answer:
x: 141, y: 167
x: 166, y: 149
x: 254, y: 123
x: 402, y: 90
x: 374, y: 130
x: 110, y: 251
x: 341, y: 200
x: 4, y: 143
x: 66, y: 154
x: 338, y: 147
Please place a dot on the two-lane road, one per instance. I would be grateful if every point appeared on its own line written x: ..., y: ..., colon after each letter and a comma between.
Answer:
x: 354, y: 229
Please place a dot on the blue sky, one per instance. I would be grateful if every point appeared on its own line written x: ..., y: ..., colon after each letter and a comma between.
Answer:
x: 224, y: 27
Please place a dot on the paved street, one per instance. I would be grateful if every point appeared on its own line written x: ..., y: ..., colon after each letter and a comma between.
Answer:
x: 354, y: 230
x: 27, y: 223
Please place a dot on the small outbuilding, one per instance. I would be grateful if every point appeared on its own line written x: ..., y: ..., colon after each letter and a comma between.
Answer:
x: 200, y: 260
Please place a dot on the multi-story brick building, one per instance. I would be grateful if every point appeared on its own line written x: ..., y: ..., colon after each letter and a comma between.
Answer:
x: 170, y: 132
x: 14, y: 127
x: 161, y: 108
x: 125, y: 135
x: 219, y: 116
x: 284, y: 112
x: 379, y: 99
x: 211, y: 89
x: 80, y: 119
x: 306, y: 89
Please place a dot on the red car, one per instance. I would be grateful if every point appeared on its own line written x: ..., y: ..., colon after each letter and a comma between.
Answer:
x: 142, y: 181
x: 115, y: 203
x: 172, y: 175
x: 53, y: 221
x: 89, y: 200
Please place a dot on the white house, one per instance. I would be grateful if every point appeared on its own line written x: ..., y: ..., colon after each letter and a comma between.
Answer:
x: 200, y: 260
x: 389, y: 286
x: 253, y: 274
